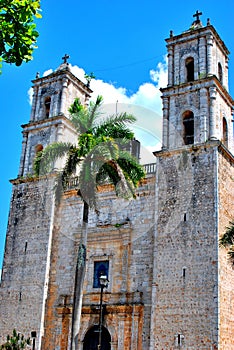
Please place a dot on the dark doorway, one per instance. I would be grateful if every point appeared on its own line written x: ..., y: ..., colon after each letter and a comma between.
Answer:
x: 91, y: 339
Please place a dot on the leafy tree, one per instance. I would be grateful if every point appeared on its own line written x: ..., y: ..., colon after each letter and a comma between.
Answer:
x: 18, y: 33
x: 227, y: 241
x: 100, y: 157
x: 16, y: 341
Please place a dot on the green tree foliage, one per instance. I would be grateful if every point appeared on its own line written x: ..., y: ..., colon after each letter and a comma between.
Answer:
x: 18, y: 33
x: 227, y: 241
x: 99, y: 157
x: 16, y: 341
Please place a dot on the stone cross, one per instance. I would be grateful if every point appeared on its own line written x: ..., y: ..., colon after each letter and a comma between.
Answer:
x: 197, y: 14
x: 65, y: 58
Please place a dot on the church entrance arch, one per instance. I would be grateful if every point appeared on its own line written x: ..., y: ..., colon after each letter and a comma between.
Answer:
x: 92, y: 336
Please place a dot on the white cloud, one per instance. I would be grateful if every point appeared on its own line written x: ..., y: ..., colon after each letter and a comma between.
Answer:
x: 145, y: 103
x: 148, y: 94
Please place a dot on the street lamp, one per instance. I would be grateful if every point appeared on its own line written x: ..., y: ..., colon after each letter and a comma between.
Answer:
x: 103, y: 284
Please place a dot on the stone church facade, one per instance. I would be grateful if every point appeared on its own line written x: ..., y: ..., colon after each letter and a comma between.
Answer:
x: 170, y: 284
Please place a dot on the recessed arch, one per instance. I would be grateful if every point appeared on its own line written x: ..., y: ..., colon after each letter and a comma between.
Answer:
x: 91, y: 339
x: 188, y: 127
x: 225, y: 132
x: 47, y: 106
x: 189, y: 65
x: 38, y: 148
x: 220, y: 72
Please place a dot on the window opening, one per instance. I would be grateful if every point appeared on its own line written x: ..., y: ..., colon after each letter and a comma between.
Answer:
x: 225, y: 132
x: 38, y: 148
x: 220, y: 72
x: 100, y: 268
x: 189, y: 64
x: 47, y: 106
x: 188, y: 122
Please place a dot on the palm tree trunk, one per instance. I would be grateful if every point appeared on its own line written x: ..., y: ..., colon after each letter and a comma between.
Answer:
x: 79, y: 280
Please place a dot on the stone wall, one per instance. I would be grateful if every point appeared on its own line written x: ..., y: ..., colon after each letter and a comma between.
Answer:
x: 120, y: 231
x: 186, y: 260
x: 23, y: 290
x: 226, y: 273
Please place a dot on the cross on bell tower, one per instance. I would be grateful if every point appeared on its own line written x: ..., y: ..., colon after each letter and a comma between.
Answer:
x: 197, y: 15
x: 65, y: 58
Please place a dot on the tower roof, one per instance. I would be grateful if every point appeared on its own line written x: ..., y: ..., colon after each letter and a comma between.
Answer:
x: 197, y: 29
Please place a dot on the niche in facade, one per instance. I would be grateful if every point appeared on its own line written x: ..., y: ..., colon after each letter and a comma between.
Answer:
x: 225, y: 132
x: 220, y: 72
x: 188, y: 130
x: 47, y: 106
x: 189, y: 65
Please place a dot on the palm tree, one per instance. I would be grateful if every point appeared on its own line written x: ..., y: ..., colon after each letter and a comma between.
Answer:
x: 227, y: 241
x: 98, y: 157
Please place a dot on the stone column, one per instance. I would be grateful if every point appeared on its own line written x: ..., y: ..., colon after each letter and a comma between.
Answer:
x: 23, y: 154
x: 63, y: 96
x: 209, y: 54
x: 165, y: 143
x: 170, y: 66
x: 212, y: 92
x: 203, y: 116
x: 39, y: 108
x: 34, y: 103
x: 202, y: 70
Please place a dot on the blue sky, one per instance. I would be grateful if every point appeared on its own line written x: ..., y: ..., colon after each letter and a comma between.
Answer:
x: 122, y: 42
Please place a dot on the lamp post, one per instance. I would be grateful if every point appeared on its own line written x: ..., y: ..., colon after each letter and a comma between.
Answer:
x: 103, y: 284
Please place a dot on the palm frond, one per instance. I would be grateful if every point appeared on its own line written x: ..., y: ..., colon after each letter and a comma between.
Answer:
x: 93, y: 111
x: 44, y: 159
x: 87, y: 183
x: 80, y: 121
x: 131, y: 168
x: 228, y: 237
x: 72, y: 161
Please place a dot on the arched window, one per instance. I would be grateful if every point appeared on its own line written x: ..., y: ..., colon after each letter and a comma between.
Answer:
x: 225, y: 132
x: 189, y: 65
x: 91, y: 339
x: 188, y: 123
x: 38, y: 148
x: 47, y: 106
x: 220, y: 72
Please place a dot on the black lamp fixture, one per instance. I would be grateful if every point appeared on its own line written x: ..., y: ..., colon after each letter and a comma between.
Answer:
x: 103, y: 280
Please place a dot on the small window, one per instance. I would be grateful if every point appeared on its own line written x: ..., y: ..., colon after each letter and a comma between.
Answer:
x: 100, y: 268
x: 220, y: 72
x: 189, y: 64
x: 188, y: 122
x: 47, y: 106
x: 225, y: 132
x: 38, y: 148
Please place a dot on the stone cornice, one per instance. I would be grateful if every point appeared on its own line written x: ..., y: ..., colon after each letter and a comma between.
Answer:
x: 195, y: 33
x: 194, y: 85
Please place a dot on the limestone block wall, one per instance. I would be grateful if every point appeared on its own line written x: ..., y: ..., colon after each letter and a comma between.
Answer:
x: 121, y: 232
x: 226, y: 273
x: 185, y: 293
x: 22, y: 290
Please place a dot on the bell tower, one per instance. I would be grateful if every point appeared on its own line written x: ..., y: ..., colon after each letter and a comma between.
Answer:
x: 26, y: 266
x: 196, y: 104
x: 53, y: 94
x: 192, y: 294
